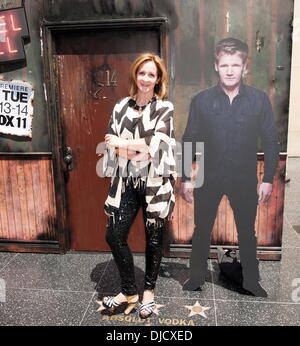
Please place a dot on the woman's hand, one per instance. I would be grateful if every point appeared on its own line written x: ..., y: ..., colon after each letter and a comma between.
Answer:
x: 115, y: 141
x: 264, y: 193
x: 141, y: 157
x: 186, y: 191
x: 124, y: 149
x: 132, y: 155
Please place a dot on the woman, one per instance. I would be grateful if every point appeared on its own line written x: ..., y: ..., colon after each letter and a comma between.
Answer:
x: 139, y: 157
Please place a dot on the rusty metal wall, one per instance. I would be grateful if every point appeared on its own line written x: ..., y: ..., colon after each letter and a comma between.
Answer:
x: 194, y: 26
x: 71, y: 10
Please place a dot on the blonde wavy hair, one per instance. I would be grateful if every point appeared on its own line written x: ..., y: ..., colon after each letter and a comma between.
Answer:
x: 160, y: 88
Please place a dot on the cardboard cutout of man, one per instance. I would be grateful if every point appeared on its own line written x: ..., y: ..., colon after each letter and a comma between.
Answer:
x: 229, y: 118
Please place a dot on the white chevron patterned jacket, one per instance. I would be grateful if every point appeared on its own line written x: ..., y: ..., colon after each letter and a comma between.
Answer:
x: 158, y: 174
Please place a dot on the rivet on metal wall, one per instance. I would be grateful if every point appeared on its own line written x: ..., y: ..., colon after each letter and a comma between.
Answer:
x: 260, y: 41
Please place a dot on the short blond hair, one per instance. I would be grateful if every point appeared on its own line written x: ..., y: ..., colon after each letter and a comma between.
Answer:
x: 160, y: 88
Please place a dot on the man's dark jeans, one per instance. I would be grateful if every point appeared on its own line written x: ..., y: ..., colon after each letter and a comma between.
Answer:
x: 243, y: 200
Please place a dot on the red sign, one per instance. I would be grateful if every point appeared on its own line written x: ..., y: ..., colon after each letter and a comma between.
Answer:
x: 13, y: 29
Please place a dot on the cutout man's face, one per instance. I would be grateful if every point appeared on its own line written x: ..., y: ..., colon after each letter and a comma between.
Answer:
x: 230, y: 68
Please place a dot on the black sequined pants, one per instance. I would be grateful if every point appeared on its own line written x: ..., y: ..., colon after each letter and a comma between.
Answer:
x: 133, y: 198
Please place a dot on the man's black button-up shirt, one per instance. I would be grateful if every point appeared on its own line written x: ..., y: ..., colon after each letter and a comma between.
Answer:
x: 230, y: 133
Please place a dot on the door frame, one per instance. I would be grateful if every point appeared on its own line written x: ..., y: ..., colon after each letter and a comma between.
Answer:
x: 55, y: 128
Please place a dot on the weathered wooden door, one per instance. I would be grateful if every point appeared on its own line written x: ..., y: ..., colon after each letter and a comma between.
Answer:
x: 93, y: 73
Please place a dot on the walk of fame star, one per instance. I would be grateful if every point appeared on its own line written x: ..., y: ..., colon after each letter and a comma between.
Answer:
x: 157, y: 306
x: 101, y: 307
x: 197, y: 309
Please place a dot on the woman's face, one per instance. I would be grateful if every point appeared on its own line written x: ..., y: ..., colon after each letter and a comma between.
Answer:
x: 147, y: 77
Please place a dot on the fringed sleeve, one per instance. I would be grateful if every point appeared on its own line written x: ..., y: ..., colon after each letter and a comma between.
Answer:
x: 161, y: 144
